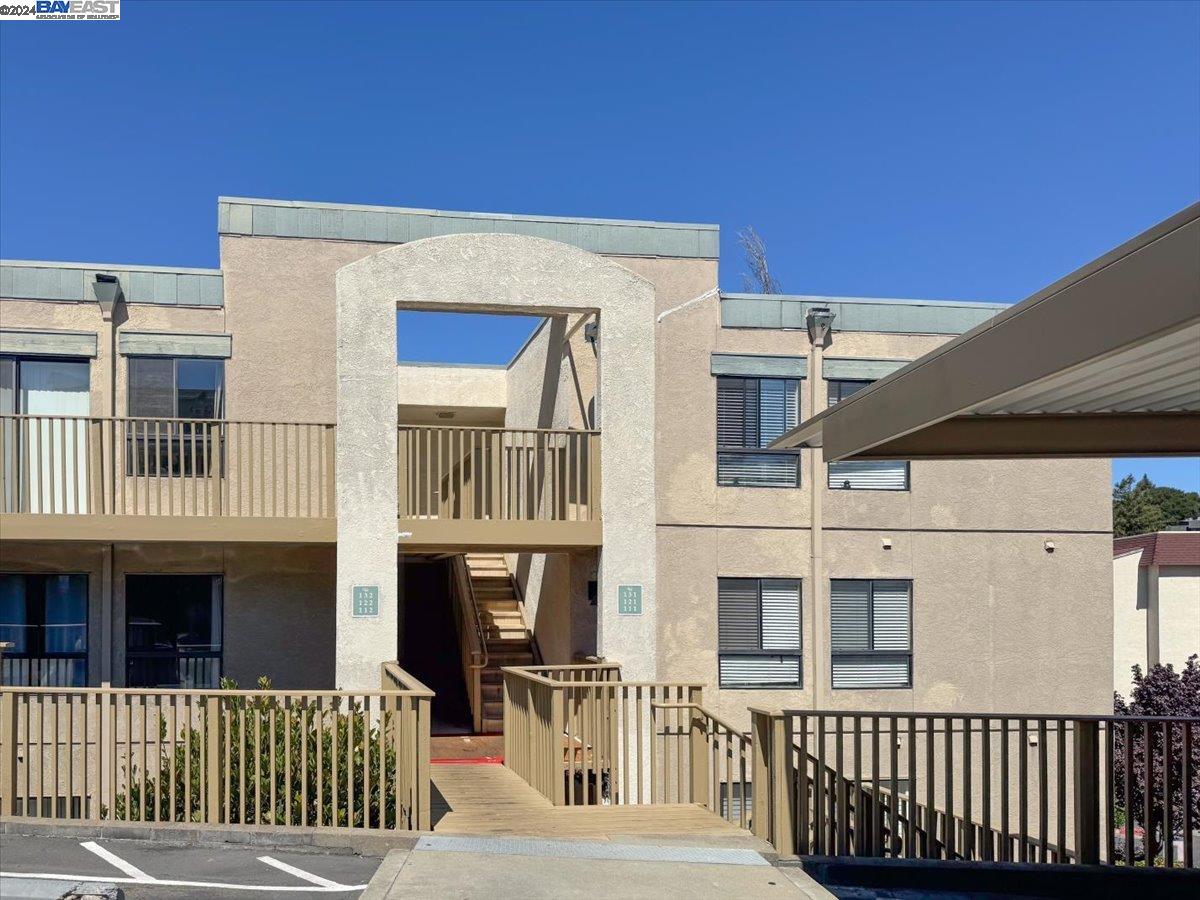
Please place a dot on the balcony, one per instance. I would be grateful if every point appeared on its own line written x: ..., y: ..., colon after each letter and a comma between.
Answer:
x: 140, y: 479
x: 498, y: 488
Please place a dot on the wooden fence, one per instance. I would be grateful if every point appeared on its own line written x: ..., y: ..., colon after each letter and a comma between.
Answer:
x: 323, y: 759
x: 165, y: 467
x: 989, y: 787
x: 498, y: 473
x: 581, y: 736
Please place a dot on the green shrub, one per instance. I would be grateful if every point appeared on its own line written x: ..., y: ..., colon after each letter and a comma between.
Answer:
x: 246, y: 753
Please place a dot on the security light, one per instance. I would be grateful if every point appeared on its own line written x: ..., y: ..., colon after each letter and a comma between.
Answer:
x: 108, y: 293
x: 819, y: 321
x: 591, y: 332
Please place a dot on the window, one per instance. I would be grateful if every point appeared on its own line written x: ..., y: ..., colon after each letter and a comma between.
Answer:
x: 758, y: 632
x: 751, y: 413
x: 45, y: 618
x: 871, y: 633
x: 173, y: 627
x: 175, y: 388
x: 866, y: 474
x: 52, y: 450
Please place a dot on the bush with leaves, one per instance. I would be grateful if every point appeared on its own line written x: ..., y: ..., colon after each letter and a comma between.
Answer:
x: 251, y: 790
x: 1160, y: 692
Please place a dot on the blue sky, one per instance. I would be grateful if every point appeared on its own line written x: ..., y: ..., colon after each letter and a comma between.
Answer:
x: 940, y: 151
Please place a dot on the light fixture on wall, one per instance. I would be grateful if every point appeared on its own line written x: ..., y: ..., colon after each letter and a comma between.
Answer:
x: 819, y: 322
x: 1049, y: 546
x: 107, y: 289
x: 591, y: 332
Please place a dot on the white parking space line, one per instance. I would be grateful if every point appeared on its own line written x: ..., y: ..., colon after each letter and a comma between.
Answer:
x: 299, y: 873
x: 170, y: 882
x: 316, y: 884
x: 109, y: 857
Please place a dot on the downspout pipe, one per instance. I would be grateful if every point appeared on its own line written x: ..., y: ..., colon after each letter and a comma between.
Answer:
x: 819, y: 322
x: 109, y: 295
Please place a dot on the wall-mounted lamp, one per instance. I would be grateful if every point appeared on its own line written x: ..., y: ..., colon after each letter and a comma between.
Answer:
x: 887, y: 543
x: 591, y: 332
x: 819, y: 322
x: 107, y: 289
x: 1049, y: 545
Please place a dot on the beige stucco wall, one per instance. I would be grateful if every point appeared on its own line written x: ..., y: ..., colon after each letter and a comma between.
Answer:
x: 993, y: 611
x: 998, y: 623
x: 451, y: 386
x: 1141, y: 604
x: 278, y: 603
x: 1178, y: 614
x: 63, y: 316
x: 1129, y: 619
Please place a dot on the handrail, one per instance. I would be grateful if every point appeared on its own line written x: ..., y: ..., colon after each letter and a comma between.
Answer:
x: 472, y: 609
x: 78, y: 417
x: 484, y: 473
x: 471, y: 640
x: 166, y: 466
x: 227, y: 757
x: 992, y: 787
x: 405, y: 682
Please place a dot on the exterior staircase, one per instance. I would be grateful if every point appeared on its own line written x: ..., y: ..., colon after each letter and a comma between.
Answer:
x: 509, y: 641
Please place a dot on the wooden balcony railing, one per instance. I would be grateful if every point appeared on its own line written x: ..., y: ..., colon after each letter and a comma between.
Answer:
x: 78, y: 465
x: 985, y: 787
x: 320, y: 759
x: 582, y: 736
x: 499, y: 474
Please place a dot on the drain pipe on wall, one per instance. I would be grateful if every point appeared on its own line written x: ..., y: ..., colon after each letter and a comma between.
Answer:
x: 819, y: 322
x: 107, y: 289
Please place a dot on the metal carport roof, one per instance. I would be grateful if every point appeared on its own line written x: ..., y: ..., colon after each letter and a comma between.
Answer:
x: 1104, y: 362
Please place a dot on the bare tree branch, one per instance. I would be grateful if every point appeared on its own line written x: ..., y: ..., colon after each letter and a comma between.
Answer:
x: 759, y: 279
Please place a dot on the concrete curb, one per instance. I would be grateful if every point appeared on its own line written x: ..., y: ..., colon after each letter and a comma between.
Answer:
x: 282, y: 837
x: 385, y: 876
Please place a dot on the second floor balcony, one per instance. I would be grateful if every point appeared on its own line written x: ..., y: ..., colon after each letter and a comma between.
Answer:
x: 160, y: 479
x: 482, y: 487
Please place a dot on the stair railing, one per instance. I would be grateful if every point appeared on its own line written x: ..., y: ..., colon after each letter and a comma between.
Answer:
x: 471, y: 639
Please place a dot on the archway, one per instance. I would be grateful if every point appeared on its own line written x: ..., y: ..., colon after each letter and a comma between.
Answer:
x: 482, y: 273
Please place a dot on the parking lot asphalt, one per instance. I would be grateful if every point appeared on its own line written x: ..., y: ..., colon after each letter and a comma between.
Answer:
x: 34, y: 866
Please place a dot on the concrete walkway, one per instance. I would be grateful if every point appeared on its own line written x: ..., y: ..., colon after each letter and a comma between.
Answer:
x: 536, y: 869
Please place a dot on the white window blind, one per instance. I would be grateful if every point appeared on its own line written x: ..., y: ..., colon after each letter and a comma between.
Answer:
x: 869, y: 475
x: 751, y: 413
x: 871, y: 633
x: 758, y: 632
x: 890, y: 628
x: 863, y: 475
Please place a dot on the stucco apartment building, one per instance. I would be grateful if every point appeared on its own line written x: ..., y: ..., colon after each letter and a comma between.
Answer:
x: 1156, y: 602
x: 226, y: 473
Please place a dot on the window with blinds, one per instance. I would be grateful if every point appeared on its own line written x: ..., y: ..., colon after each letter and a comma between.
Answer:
x: 758, y: 632
x: 863, y: 475
x: 751, y: 413
x: 871, y: 633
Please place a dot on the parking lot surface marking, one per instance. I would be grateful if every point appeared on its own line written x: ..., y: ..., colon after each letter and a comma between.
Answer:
x: 316, y: 884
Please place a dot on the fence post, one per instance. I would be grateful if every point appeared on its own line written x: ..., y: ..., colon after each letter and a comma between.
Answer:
x: 783, y: 817
x: 424, y: 707
x: 760, y: 776
x: 698, y: 757
x: 8, y: 753
x: 1087, y: 792
x: 558, y: 791
x: 213, y: 775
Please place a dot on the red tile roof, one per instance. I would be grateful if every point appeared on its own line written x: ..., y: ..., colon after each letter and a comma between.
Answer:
x: 1164, y: 548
